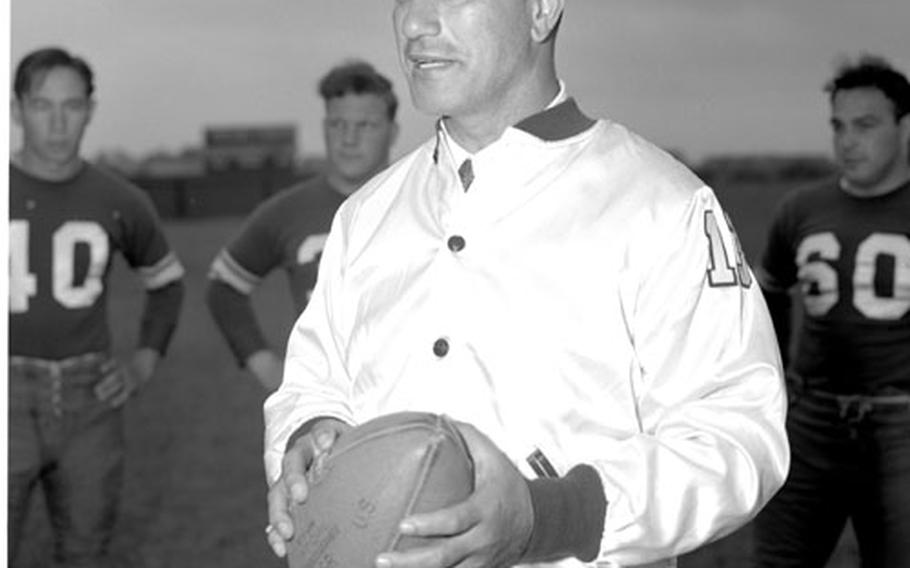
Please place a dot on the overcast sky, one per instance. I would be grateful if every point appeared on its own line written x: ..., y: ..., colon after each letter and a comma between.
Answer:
x: 700, y: 76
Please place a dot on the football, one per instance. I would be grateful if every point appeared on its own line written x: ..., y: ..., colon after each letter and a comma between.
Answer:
x: 375, y: 475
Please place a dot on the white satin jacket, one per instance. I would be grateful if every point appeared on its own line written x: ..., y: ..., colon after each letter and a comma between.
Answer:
x: 586, y: 300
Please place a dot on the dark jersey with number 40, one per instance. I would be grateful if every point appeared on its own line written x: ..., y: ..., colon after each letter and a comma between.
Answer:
x: 62, y: 239
x: 850, y: 257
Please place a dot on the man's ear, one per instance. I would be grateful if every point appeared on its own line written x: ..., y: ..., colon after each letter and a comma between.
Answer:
x: 92, y: 104
x: 545, y: 17
x: 904, y: 126
x: 393, y: 137
x: 15, y: 110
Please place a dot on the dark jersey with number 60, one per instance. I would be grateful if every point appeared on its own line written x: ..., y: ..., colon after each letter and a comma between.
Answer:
x: 850, y: 257
x: 62, y: 239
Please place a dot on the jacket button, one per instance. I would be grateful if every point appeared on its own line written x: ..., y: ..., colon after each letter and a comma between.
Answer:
x: 440, y: 347
x: 456, y: 243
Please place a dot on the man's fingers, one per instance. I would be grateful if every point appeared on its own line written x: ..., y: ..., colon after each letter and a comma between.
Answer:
x: 443, y: 554
x: 297, y: 460
x: 116, y: 388
x: 416, y: 558
x: 276, y: 542
x: 298, y: 457
x: 325, y: 432
x: 106, y: 387
x: 279, y: 515
x: 457, y: 519
x: 303, y: 454
x: 119, y: 398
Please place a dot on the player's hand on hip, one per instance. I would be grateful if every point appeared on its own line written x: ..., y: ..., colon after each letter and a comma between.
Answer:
x: 307, y: 452
x: 121, y: 381
x: 491, y: 528
x: 267, y: 367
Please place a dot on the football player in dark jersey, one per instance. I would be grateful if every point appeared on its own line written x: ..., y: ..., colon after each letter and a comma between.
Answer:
x: 66, y: 393
x: 844, y: 246
x: 289, y: 230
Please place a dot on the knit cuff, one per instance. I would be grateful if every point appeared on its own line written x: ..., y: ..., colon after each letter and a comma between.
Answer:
x: 569, y: 516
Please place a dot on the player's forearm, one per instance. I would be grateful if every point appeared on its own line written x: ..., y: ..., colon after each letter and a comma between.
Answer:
x: 233, y: 313
x: 160, y: 315
x: 144, y: 362
x: 779, y: 304
x: 266, y: 366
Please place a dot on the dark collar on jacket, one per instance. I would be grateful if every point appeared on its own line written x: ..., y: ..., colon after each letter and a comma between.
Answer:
x: 550, y: 125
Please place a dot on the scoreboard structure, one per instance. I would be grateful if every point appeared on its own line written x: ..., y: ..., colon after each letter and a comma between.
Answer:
x: 232, y: 148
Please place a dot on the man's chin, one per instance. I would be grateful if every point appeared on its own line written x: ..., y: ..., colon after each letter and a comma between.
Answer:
x: 353, y: 173
x: 56, y: 159
x: 356, y: 176
x: 433, y: 100
x: 855, y: 180
x: 860, y: 180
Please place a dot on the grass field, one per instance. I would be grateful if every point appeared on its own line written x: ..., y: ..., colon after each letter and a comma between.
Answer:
x: 194, y: 496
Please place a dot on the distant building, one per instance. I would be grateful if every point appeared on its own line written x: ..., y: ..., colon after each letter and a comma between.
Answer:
x: 187, y: 164
x: 229, y: 174
x: 761, y: 168
x: 118, y: 161
x: 230, y: 148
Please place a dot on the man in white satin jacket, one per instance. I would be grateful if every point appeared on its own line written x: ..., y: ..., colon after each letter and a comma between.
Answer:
x: 571, y: 294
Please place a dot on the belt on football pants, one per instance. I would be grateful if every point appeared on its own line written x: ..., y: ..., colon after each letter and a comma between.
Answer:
x: 81, y: 371
x: 853, y: 407
x: 84, y: 362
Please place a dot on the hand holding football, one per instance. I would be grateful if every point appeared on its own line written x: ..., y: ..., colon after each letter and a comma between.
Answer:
x: 373, y: 477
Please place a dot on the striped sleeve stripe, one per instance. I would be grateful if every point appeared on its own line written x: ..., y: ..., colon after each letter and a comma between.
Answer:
x: 229, y: 271
x: 164, y: 272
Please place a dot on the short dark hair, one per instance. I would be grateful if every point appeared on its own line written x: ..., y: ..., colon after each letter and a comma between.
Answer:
x: 873, y: 72
x: 358, y: 77
x: 37, y: 63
